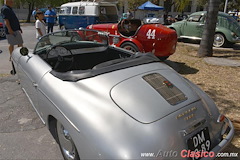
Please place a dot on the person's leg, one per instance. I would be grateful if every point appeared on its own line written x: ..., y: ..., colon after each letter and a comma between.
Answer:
x: 11, y: 48
x: 52, y: 24
x: 20, y: 45
x: 49, y: 27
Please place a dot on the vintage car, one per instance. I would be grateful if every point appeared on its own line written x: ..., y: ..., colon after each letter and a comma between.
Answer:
x: 104, y: 102
x: 132, y: 35
x: 2, y: 30
x: 227, y: 29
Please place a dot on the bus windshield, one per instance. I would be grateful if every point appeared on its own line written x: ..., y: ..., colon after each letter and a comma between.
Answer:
x: 108, y: 13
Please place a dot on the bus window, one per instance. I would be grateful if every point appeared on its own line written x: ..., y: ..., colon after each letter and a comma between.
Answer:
x: 74, y: 10
x: 68, y: 10
x: 65, y: 10
x: 108, y: 13
x: 81, y: 10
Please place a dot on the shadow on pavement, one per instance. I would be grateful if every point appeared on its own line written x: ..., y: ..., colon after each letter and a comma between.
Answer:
x: 181, y: 68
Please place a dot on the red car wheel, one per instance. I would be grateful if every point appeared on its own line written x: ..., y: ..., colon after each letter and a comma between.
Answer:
x: 130, y: 46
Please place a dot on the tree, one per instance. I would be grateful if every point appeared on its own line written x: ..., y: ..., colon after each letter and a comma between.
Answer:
x: 206, y: 45
x: 133, y: 4
x: 168, y: 5
x: 181, y: 4
x: 31, y: 4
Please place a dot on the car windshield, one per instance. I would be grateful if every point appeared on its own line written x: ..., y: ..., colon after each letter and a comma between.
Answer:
x: 77, y: 38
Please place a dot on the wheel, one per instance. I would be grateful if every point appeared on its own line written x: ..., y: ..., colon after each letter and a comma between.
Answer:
x: 3, y: 34
x: 66, y: 144
x: 219, y: 40
x: 130, y: 46
x: 163, y: 58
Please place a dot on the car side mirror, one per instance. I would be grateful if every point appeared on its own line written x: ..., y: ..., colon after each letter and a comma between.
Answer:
x: 24, y: 51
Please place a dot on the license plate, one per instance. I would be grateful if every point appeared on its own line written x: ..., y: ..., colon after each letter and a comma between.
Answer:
x: 200, y: 141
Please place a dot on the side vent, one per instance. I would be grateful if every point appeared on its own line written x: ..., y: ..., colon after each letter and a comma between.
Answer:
x: 165, y: 88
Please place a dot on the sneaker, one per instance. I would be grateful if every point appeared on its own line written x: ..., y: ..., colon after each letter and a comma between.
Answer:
x: 12, y: 72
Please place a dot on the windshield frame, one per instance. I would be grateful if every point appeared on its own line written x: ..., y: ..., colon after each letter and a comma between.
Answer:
x: 87, y: 36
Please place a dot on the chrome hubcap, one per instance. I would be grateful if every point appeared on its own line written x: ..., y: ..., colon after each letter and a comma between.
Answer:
x: 66, y: 142
x: 218, y: 40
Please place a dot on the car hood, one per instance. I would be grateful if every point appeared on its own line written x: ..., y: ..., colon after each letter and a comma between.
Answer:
x: 152, y: 96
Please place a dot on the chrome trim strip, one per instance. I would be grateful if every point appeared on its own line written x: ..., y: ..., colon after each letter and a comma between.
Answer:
x: 189, y: 37
x: 189, y: 130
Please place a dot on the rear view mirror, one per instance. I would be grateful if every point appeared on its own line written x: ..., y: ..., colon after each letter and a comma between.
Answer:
x: 24, y: 51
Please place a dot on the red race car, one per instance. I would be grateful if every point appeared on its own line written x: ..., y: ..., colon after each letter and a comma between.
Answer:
x: 131, y: 34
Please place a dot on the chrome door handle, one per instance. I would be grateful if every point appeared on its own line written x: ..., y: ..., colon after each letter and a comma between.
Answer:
x: 35, y: 84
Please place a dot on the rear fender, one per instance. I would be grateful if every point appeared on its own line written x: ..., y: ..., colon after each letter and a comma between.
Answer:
x: 226, y: 32
x: 134, y: 41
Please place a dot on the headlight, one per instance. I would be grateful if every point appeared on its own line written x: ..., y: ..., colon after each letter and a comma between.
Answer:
x: 233, y: 34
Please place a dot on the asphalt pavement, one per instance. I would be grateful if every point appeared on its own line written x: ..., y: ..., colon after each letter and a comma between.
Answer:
x: 22, y: 134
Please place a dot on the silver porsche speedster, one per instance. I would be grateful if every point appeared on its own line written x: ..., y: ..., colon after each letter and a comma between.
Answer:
x: 103, y: 102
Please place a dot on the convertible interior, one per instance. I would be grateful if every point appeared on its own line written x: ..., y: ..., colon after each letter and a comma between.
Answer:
x: 77, y: 57
x: 128, y: 27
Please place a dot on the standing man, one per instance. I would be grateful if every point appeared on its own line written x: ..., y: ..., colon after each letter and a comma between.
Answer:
x: 12, y: 26
x: 34, y: 13
x: 50, y: 18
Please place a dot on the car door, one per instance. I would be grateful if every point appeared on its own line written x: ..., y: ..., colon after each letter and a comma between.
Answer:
x: 193, y: 26
x: 31, y: 69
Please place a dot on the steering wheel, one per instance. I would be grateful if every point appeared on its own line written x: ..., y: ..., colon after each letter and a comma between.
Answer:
x: 125, y: 24
x: 65, y: 58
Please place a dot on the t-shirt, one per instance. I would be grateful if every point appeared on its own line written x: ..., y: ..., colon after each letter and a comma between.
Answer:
x: 7, y: 13
x: 41, y: 26
x: 50, y: 13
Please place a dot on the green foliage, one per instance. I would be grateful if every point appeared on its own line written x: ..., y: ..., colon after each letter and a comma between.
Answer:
x: 133, y: 4
x: 202, y: 2
x: 181, y: 4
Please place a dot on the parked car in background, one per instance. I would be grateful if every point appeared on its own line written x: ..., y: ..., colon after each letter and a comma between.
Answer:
x: 2, y: 30
x: 153, y: 18
x: 227, y: 29
x: 235, y: 15
x: 103, y: 102
x: 132, y: 35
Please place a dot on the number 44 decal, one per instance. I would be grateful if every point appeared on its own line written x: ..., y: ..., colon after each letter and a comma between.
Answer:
x: 151, y: 34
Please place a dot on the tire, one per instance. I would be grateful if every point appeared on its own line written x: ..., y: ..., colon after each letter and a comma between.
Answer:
x: 66, y: 144
x: 163, y: 58
x: 219, y: 40
x: 130, y: 46
x: 2, y: 33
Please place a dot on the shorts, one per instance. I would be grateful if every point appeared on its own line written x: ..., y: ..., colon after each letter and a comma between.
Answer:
x: 15, y: 39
